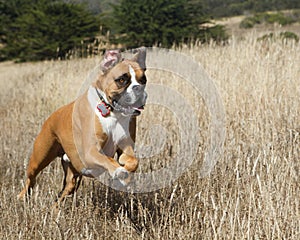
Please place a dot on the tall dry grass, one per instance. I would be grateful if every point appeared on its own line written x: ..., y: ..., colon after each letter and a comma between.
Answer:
x: 253, y: 192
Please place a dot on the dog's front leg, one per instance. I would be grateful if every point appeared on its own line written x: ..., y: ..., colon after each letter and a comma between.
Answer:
x: 127, y: 158
x: 126, y: 149
x: 129, y: 162
x: 96, y: 163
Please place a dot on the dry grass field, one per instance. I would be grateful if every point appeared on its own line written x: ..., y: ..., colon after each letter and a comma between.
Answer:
x: 252, y: 193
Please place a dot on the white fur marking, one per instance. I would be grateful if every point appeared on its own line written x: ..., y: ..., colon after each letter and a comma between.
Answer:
x: 133, y: 80
x: 116, y: 126
x: 66, y: 158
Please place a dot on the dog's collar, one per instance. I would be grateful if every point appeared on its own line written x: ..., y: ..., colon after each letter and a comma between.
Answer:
x: 103, y: 107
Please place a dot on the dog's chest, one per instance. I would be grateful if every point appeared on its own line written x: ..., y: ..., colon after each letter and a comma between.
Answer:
x: 115, y: 126
x: 116, y: 129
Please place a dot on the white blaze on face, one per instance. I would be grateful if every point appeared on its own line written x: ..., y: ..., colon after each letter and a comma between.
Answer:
x: 133, y: 80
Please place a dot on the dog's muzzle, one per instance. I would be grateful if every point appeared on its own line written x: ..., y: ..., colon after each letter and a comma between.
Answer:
x: 131, y: 103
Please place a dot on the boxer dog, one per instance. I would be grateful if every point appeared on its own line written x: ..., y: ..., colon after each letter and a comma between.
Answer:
x: 98, y: 126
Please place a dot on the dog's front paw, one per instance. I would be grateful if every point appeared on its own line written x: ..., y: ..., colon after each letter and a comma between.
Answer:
x: 122, y: 175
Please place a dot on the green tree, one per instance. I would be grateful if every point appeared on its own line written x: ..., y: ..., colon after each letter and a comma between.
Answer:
x: 44, y: 29
x: 159, y: 22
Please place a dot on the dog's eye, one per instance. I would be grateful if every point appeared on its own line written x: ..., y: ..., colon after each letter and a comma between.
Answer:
x: 122, y: 80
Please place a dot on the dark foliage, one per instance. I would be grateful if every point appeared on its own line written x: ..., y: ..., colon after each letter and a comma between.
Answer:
x: 162, y: 23
x: 41, y: 29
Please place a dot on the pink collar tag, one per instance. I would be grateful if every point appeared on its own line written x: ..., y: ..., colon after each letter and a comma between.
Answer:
x: 103, y: 109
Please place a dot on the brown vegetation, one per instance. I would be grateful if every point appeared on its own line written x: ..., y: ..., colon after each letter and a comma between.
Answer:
x: 253, y: 192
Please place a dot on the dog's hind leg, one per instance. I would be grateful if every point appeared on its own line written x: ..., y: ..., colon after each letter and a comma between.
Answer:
x: 71, y: 181
x: 45, y: 150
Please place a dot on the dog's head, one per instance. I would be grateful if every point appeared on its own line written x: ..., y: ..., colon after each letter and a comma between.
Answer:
x: 123, y: 81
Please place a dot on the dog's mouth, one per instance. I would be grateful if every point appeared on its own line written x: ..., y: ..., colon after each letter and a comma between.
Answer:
x: 127, y: 110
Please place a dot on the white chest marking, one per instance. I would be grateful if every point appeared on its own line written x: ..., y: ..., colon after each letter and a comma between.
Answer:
x: 116, y: 126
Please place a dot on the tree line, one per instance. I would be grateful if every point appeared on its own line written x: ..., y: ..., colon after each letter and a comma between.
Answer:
x: 33, y: 30
x: 214, y: 8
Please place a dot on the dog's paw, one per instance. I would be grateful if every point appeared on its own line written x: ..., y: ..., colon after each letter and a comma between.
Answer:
x: 121, y: 174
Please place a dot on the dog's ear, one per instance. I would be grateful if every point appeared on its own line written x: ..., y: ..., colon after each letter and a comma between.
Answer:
x: 110, y: 59
x: 140, y: 57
